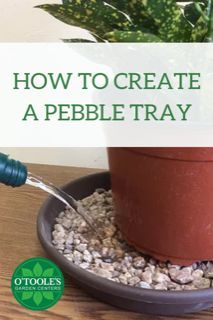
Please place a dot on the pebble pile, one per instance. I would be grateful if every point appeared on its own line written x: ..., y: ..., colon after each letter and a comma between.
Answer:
x: 113, y: 258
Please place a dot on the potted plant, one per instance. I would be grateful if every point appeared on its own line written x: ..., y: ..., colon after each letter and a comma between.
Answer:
x: 163, y: 196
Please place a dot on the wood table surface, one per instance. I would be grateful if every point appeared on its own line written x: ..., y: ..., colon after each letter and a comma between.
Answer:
x: 18, y: 213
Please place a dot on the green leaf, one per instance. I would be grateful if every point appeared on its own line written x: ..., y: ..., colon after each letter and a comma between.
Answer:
x: 95, y: 16
x: 37, y: 298
x: 26, y: 272
x: 27, y: 295
x: 209, y: 36
x: 37, y: 270
x: 199, y: 31
x: 131, y: 36
x: 191, y: 13
x: 48, y: 295
x: 136, y: 11
x: 48, y: 272
x: 173, y: 26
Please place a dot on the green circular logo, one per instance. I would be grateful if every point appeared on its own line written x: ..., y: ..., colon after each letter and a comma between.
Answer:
x: 37, y: 283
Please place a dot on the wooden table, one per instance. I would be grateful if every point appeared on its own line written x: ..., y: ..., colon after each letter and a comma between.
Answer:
x: 18, y: 212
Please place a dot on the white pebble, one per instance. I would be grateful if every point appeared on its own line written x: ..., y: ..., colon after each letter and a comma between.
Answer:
x: 87, y: 256
x: 133, y: 281
x: 84, y: 265
x: 58, y: 235
x: 160, y: 277
x: 147, y: 276
x: 144, y: 285
x: 67, y: 223
x: 104, y: 273
x: 197, y: 274
x: 81, y: 247
x: 209, y: 270
x: 59, y: 228
x: 160, y: 286
x: 77, y: 256
x: 182, y: 276
x: 202, y: 283
x: 139, y: 262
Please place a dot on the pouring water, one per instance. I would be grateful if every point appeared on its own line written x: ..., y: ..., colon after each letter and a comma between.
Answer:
x: 68, y: 200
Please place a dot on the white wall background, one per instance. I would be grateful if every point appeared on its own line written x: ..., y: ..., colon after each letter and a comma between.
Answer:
x: 79, y: 157
x: 21, y: 22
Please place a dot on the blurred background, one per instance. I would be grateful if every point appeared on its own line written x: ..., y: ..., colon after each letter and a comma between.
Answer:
x: 79, y: 157
x: 21, y: 22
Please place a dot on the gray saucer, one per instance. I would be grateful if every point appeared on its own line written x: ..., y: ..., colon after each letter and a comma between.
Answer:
x: 123, y: 296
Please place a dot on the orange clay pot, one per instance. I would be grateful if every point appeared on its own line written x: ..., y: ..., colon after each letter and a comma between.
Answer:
x: 164, y: 201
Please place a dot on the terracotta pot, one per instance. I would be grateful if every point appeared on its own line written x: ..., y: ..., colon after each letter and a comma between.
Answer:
x: 164, y: 201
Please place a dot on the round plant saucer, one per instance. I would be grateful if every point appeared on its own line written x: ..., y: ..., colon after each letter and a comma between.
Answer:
x: 123, y: 296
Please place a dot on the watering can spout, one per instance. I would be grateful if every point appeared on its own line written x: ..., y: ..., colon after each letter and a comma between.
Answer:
x: 12, y: 172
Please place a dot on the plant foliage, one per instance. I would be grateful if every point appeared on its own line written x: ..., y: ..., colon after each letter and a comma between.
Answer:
x: 137, y: 20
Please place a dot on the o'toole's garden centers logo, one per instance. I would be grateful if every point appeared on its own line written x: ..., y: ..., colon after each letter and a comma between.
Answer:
x: 37, y: 283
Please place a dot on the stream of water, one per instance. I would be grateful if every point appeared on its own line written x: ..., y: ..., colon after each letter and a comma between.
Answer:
x: 69, y: 201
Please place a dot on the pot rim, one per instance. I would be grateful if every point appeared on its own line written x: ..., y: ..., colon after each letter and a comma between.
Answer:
x: 186, y: 154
